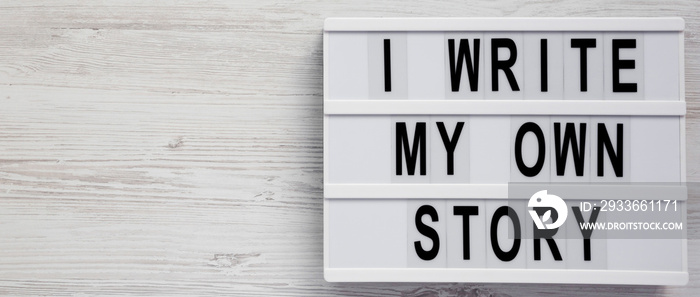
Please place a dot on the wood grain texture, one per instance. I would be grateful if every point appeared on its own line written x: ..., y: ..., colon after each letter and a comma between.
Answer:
x: 175, y: 148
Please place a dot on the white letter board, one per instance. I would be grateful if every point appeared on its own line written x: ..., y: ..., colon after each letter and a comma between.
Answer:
x: 454, y: 149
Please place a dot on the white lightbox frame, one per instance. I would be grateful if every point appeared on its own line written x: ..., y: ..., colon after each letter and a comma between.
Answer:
x: 495, y: 107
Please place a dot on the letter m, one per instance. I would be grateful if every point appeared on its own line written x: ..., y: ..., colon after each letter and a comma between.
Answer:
x: 410, y: 152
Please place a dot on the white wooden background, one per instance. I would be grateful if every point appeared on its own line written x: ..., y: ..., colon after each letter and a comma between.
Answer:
x: 172, y: 147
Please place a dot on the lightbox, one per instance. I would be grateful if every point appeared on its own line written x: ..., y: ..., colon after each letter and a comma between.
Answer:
x: 505, y: 150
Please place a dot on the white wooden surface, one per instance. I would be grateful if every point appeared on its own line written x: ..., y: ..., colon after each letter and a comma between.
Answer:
x: 161, y: 148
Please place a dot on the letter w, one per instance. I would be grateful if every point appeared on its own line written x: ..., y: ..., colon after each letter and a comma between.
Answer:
x: 472, y: 64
